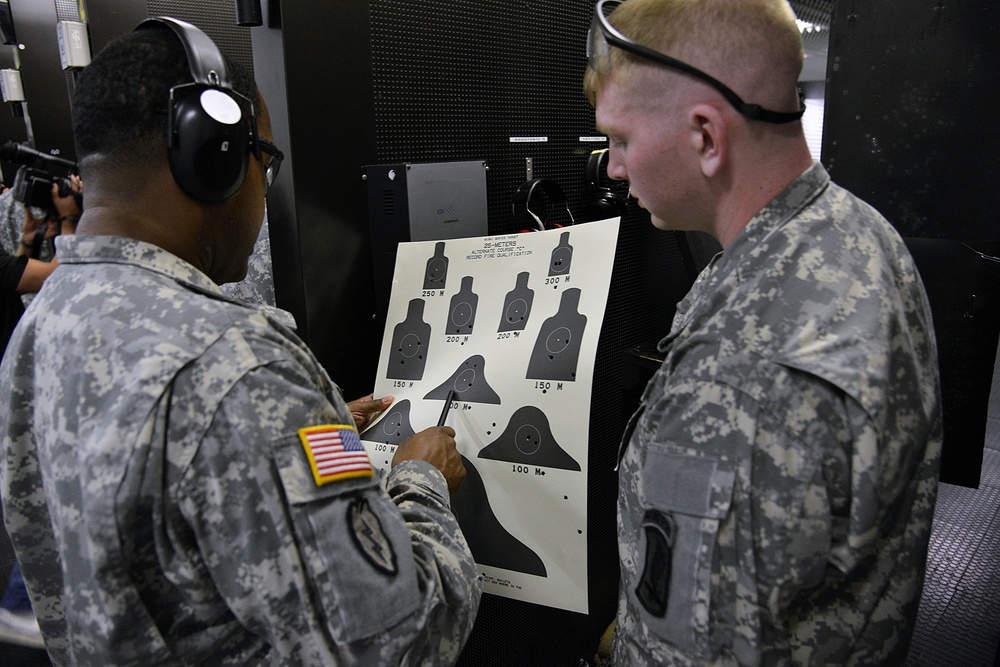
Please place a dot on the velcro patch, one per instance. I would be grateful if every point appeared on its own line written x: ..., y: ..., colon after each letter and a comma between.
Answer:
x: 335, y: 452
x: 370, y: 538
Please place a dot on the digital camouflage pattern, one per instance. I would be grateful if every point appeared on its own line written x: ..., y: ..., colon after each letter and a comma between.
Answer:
x: 12, y: 229
x: 160, y: 501
x: 777, y: 492
x: 258, y: 286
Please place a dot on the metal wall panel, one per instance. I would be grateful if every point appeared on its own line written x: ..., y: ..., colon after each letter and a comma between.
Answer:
x: 106, y: 20
x: 44, y: 80
x: 12, y: 122
x: 908, y: 129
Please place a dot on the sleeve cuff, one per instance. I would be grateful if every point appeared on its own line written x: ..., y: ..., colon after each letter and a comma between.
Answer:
x: 418, y: 473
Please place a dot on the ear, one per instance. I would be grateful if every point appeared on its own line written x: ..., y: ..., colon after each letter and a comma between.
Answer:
x: 708, y: 138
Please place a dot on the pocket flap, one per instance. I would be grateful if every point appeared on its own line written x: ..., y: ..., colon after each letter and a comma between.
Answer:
x: 694, y: 485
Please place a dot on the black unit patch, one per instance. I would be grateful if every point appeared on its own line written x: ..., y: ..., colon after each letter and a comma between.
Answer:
x: 654, y: 585
x: 370, y: 538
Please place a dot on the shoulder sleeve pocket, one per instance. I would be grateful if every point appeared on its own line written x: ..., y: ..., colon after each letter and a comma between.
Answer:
x: 355, y: 547
x: 686, y: 498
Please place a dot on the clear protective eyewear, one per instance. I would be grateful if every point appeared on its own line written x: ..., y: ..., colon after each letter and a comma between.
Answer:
x: 273, y: 165
x: 602, y: 36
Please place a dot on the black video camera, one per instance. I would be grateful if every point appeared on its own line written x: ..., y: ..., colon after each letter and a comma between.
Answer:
x: 33, y: 185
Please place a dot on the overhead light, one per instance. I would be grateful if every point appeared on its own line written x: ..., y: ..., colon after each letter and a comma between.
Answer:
x: 806, y: 27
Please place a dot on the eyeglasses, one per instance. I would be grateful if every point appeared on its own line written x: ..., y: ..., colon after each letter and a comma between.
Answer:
x: 603, y: 35
x: 273, y: 165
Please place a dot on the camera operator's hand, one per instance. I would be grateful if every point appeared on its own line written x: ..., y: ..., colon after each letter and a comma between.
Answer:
x: 30, y: 230
x: 68, y: 207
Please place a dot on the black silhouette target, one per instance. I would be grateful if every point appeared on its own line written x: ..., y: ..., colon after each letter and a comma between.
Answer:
x: 408, y: 350
x: 469, y: 382
x: 462, y: 313
x: 562, y: 256
x: 393, y: 427
x: 517, y: 305
x: 528, y: 439
x: 491, y: 544
x: 436, y: 270
x: 557, y: 348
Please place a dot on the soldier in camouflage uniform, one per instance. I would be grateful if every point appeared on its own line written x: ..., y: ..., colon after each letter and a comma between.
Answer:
x: 181, y: 479
x: 777, y: 484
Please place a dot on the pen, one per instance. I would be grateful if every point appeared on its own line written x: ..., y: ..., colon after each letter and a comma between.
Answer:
x: 447, y: 407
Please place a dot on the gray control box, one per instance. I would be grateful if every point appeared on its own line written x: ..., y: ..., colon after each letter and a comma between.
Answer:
x: 421, y: 202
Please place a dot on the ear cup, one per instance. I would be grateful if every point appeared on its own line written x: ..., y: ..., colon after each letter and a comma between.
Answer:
x: 209, y: 135
x: 601, y: 202
x: 208, y: 149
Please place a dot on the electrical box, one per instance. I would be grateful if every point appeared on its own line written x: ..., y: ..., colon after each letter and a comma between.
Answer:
x: 421, y: 202
x: 10, y: 85
x: 74, y: 45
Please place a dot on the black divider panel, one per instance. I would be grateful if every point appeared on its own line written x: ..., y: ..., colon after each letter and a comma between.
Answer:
x: 457, y: 80
x: 902, y: 110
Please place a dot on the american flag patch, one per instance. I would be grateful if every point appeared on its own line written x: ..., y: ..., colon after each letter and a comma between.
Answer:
x: 335, y: 452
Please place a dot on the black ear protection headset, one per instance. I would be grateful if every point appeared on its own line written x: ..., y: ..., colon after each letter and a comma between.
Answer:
x: 210, y: 135
x: 526, y: 218
x: 602, y: 203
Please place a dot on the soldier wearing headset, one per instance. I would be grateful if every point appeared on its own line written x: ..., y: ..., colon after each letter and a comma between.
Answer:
x: 182, y: 481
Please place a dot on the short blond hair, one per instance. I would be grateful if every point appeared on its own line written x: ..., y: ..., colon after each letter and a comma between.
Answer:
x: 746, y: 44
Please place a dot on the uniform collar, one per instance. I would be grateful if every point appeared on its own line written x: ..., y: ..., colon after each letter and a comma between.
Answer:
x: 779, y: 211
x: 752, y: 240
x: 84, y: 249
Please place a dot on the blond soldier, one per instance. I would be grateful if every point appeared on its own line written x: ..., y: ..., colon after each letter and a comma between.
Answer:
x: 778, y: 482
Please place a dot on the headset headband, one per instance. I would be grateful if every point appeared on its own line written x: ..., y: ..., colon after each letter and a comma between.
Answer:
x: 556, y: 198
x: 211, y: 128
x: 204, y: 58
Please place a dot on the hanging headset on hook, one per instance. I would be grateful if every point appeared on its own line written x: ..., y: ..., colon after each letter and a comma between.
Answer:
x: 529, y: 218
x: 602, y: 202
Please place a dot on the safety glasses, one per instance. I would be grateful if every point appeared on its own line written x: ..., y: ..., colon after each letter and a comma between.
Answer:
x: 602, y: 36
x: 273, y: 165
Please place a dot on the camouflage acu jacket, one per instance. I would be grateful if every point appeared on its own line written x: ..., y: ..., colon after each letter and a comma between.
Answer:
x: 777, y: 491
x: 166, y: 509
